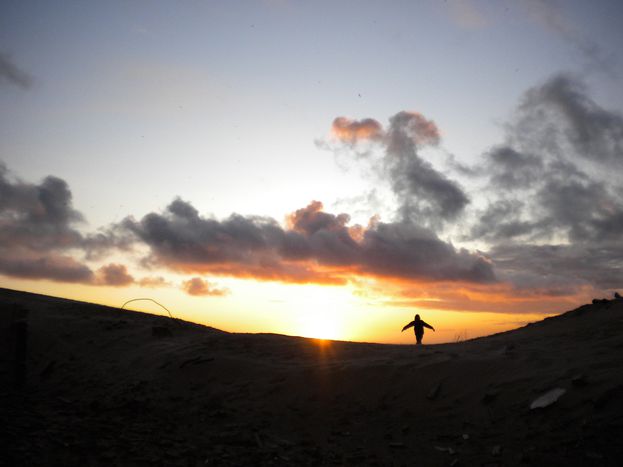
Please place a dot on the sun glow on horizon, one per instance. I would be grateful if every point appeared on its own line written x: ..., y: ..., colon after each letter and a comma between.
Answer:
x: 320, y: 311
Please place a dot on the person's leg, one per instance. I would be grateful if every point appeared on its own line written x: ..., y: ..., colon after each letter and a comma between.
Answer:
x: 418, y: 338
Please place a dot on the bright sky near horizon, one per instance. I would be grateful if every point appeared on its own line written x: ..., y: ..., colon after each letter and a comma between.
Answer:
x: 325, y: 169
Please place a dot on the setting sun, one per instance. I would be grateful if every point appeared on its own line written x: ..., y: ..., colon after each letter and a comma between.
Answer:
x: 320, y: 312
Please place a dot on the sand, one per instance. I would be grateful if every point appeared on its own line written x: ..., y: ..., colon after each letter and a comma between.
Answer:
x: 93, y: 385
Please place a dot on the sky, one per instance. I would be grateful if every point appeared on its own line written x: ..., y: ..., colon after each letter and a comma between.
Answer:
x: 324, y: 169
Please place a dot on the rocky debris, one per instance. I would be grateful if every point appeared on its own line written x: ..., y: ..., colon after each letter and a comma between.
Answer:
x: 547, y: 399
x: 434, y: 391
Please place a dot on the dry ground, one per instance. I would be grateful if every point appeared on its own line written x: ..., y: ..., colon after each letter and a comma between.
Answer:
x: 88, y: 385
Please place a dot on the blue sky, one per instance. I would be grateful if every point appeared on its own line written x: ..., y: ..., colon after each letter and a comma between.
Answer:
x: 228, y: 105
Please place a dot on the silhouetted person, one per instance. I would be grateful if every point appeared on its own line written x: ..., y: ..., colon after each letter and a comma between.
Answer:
x: 418, y: 328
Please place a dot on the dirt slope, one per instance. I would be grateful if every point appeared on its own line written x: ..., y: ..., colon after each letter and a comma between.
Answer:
x: 92, y: 385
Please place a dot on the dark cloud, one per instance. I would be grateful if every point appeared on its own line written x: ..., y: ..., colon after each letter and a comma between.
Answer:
x: 200, y: 287
x: 426, y: 195
x: 561, y: 117
x: 12, y: 74
x: 556, y: 209
x: 37, y: 231
x: 501, y: 221
x: 113, y: 274
x: 406, y: 250
x: 23, y: 264
x: 560, y: 267
x: 511, y: 169
x: 316, y: 247
x: 413, y: 127
x: 37, y: 217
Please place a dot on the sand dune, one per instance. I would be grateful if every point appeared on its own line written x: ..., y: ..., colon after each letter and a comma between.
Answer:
x: 103, y: 386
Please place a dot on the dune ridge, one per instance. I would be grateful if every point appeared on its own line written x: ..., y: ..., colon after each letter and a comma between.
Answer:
x: 96, y: 385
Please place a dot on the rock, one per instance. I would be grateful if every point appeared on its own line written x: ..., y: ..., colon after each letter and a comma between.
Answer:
x: 547, y: 399
x: 434, y: 392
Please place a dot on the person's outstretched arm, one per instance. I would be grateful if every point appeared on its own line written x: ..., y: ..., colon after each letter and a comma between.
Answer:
x: 428, y: 325
x: 408, y: 325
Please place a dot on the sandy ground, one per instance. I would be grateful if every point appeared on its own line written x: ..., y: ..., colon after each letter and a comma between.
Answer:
x: 83, y: 384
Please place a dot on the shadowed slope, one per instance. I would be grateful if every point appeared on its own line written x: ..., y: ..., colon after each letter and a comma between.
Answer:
x: 106, y: 386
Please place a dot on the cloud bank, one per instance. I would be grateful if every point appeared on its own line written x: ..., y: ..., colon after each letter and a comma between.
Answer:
x: 549, y: 215
x: 316, y: 247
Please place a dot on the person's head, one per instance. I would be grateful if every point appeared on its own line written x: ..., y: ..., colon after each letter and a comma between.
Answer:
x: 417, y: 317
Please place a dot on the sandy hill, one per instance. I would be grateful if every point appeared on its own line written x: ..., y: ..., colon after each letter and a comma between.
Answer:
x: 84, y: 384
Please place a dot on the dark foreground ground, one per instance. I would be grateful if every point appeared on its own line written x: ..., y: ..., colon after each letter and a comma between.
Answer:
x: 83, y: 384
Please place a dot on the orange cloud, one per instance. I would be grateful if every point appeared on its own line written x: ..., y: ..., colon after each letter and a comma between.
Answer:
x: 421, y: 130
x: 352, y: 131
x: 200, y: 287
x: 500, y: 297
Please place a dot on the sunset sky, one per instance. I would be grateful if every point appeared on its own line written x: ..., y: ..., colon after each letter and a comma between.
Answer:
x: 325, y: 169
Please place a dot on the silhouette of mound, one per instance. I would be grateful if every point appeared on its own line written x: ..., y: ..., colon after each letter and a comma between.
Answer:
x: 84, y: 384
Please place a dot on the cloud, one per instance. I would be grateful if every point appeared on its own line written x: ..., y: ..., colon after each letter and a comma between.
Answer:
x: 37, y: 232
x: 153, y: 282
x: 37, y: 217
x: 353, y: 131
x: 200, y: 287
x: 423, y: 192
x: 115, y: 275
x: 560, y: 116
x: 555, y: 212
x: 511, y: 169
x: 316, y: 246
x: 25, y: 265
x: 12, y: 74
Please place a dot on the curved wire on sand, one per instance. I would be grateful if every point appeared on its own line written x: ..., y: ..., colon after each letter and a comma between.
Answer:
x: 151, y: 300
